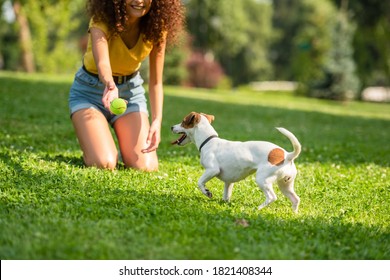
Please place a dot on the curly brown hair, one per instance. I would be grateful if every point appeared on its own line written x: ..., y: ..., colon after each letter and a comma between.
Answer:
x: 165, y: 16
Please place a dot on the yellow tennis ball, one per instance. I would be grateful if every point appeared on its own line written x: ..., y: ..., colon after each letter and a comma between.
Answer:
x: 118, y: 106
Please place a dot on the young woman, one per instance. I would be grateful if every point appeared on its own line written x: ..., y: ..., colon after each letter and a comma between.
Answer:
x: 122, y: 33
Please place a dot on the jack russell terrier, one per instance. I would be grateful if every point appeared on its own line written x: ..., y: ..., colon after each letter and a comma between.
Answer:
x: 232, y: 161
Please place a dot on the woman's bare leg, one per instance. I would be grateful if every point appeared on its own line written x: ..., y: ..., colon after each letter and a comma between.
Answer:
x: 132, y: 131
x: 95, y: 139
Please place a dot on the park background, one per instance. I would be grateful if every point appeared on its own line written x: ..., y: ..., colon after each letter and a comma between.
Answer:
x: 332, y: 49
x: 330, y: 52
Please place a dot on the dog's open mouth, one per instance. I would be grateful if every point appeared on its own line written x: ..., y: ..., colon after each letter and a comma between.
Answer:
x: 180, y: 140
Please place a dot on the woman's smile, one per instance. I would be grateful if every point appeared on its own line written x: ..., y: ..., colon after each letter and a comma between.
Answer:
x: 138, y: 8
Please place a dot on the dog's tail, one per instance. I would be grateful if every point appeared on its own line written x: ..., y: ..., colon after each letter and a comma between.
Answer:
x: 294, y: 141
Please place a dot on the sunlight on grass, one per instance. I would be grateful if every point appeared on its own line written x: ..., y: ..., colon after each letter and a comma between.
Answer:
x: 52, y: 207
x: 286, y: 101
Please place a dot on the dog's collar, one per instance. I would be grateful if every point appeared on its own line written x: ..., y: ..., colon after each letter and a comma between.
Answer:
x: 206, y: 141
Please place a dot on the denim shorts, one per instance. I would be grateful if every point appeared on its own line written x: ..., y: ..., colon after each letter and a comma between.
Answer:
x: 87, y: 92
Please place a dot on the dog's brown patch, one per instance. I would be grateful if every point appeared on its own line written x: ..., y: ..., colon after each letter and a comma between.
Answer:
x: 191, y: 120
x: 276, y: 156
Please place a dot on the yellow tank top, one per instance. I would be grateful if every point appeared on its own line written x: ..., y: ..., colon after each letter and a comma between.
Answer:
x: 124, y: 61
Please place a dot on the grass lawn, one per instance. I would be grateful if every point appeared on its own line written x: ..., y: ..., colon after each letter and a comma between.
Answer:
x: 52, y: 207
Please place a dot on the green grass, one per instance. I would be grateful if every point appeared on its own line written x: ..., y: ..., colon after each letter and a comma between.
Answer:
x: 52, y: 207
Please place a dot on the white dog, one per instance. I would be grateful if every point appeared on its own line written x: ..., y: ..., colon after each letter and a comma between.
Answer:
x: 232, y: 161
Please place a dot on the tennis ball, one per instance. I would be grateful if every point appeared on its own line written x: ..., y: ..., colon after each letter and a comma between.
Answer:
x: 118, y: 106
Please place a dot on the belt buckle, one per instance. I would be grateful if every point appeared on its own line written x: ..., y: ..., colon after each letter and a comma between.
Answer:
x: 120, y: 79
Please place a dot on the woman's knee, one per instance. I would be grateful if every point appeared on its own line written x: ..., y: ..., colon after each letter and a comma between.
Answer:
x: 102, y: 161
x: 144, y: 162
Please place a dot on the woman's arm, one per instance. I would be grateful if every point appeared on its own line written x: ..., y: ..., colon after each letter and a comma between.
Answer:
x: 156, y: 95
x: 102, y: 60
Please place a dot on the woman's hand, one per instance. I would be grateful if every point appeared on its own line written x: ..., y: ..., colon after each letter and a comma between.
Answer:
x: 109, y: 94
x: 154, y: 137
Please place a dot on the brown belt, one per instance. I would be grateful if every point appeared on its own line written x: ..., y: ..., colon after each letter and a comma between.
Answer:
x: 117, y: 79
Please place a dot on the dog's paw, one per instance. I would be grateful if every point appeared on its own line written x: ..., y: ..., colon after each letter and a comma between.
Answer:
x: 208, y: 193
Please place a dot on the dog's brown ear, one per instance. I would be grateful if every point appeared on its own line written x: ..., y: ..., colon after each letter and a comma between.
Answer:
x: 191, y: 120
x: 210, y: 118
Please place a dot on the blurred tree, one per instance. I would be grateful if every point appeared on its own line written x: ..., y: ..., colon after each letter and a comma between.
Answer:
x: 16, y: 37
x: 286, y: 21
x: 174, y: 66
x: 371, y: 40
x: 216, y: 25
x: 252, y: 62
x: 24, y: 37
x: 340, y: 81
x: 52, y: 23
x: 45, y: 30
x: 311, y: 42
x: 217, y: 30
x: 316, y: 49
x: 10, y: 52
x: 236, y: 33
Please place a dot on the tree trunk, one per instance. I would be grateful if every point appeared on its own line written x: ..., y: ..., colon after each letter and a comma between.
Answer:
x: 24, y: 38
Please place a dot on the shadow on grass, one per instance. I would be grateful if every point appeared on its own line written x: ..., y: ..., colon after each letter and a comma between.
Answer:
x: 66, y: 159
